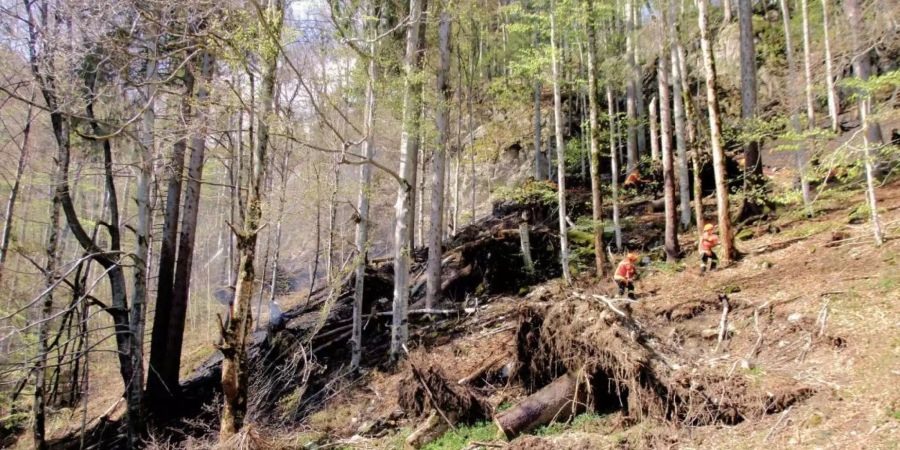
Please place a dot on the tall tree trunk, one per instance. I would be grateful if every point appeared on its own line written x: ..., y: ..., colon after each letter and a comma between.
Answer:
x: 614, y: 165
x: 834, y: 104
x: 234, y: 339
x: 631, y: 90
x: 654, y: 130
x: 727, y: 10
x: 560, y: 150
x: 800, y: 153
x: 539, y: 160
x: 807, y: 67
x: 365, y: 188
x: 442, y: 119
x: 14, y: 190
x: 416, y: 141
x: 862, y: 67
x: 50, y: 280
x: 684, y: 194
x: 403, y: 208
x: 594, y: 122
x: 715, y: 137
x: 665, y: 117
x: 162, y: 382
x: 753, y: 178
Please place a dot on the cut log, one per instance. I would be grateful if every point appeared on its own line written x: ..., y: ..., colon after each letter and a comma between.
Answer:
x: 553, y: 402
x: 427, y: 432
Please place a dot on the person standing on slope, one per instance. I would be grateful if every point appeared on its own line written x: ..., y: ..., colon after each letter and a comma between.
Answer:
x: 625, y: 275
x: 708, y: 241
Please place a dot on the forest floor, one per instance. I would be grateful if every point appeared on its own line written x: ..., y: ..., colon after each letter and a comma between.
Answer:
x: 828, y: 313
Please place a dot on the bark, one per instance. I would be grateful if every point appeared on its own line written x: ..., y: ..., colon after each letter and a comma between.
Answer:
x: 50, y: 279
x: 752, y: 161
x: 614, y: 163
x: 162, y: 382
x: 807, y: 67
x: 631, y: 90
x: 235, y: 333
x: 877, y: 231
x: 415, y: 141
x: 680, y: 146
x: 402, y: 209
x: 654, y: 130
x: 442, y: 120
x: 862, y: 67
x: 834, y: 104
x: 698, y: 198
x: 14, y: 190
x: 800, y: 153
x: 554, y: 402
x: 560, y: 152
x: 665, y: 117
x: 365, y: 188
x: 727, y: 10
x: 594, y: 122
x: 715, y: 138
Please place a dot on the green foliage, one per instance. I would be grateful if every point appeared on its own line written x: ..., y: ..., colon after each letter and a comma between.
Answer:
x: 531, y: 192
x: 884, y: 82
x: 462, y: 436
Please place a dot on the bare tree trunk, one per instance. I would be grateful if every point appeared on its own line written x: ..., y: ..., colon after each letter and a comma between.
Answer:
x: 753, y: 176
x: 234, y: 339
x: 442, y: 118
x: 727, y: 10
x: 684, y: 194
x: 365, y: 190
x: 654, y: 130
x: 403, y: 213
x: 614, y: 163
x: 800, y: 153
x: 631, y: 90
x: 807, y: 66
x: 14, y: 190
x: 715, y: 138
x: 862, y: 67
x: 665, y: 116
x: 594, y: 122
x: 834, y: 104
x: 538, y: 150
x: 50, y: 279
x: 877, y: 231
x: 560, y: 150
x: 162, y: 383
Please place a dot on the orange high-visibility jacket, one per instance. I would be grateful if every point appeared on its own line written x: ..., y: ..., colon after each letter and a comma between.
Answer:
x: 626, y: 271
x: 632, y: 179
x: 708, y: 241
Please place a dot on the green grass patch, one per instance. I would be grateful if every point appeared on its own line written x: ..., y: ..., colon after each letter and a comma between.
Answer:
x: 808, y: 229
x: 463, y: 436
x: 895, y: 414
x: 587, y: 422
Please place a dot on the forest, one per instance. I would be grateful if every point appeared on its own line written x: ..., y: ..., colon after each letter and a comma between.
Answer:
x: 449, y: 224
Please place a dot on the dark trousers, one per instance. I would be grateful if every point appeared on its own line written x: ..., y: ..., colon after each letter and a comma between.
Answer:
x: 712, y: 259
x: 625, y: 285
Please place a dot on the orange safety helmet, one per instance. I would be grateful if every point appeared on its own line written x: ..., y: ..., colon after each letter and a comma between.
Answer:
x: 632, y: 257
x: 708, y: 227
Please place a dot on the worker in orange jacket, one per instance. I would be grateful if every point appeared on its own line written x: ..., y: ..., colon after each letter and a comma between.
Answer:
x: 633, y: 179
x: 625, y: 275
x: 708, y: 241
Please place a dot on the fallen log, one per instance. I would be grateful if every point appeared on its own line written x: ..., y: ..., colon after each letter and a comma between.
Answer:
x: 477, y: 373
x: 553, y: 402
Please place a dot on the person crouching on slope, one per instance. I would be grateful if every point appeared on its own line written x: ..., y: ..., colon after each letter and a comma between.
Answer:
x: 625, y: 274
x: 708, y: 241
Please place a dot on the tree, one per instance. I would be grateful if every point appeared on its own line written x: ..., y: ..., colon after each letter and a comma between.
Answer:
x: 631, y: 90
x: 715, y: 136
x: 834, y: 104
x: 665, y: 117
x: 442, y: 119
x: 594, y: 121
x: 560, y: 148
x: 412, y: 92
x: 365, y: 185
x: 862, y: 66
x: 807, y: 67
x: 680, y: 145
x: 236, y: 331
x: 14, y: 189
x: 800, y: 153
x: 753, y: 175
x: 614, y: 165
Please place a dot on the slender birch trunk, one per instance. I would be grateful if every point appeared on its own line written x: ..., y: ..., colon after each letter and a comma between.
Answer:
x: 807, y: 67
x: 654, y: 130
x: 684, y: 194
x: 800, y: 153
x: 14, y: 189
x: 403, y: 212
x: 631, y: 90
x: 560, y: 150
x: 614, y: 163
